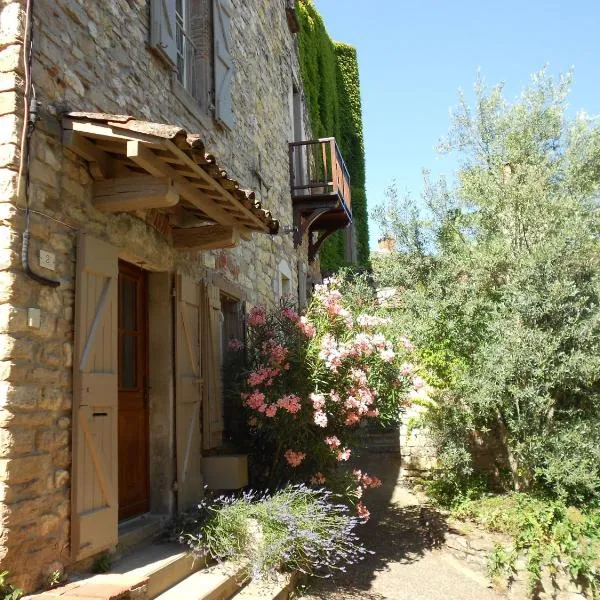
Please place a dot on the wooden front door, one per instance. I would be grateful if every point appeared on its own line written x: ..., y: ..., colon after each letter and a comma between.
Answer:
x: 133, y: 438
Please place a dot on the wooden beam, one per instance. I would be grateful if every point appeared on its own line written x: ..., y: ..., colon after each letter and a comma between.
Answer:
x: 98, y: 159
x: 134, y: 193
x: 217, y: 187
x: 144, y: 157
x: 208, y: 237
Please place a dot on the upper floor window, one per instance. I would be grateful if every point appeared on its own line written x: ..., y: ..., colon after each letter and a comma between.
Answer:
x: 195, y: 38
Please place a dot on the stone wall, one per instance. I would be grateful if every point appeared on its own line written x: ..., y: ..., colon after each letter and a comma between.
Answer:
x: 418, y: 454
x: 93, y: 56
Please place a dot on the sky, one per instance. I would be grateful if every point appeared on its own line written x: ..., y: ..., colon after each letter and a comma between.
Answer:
x: 414, y: 56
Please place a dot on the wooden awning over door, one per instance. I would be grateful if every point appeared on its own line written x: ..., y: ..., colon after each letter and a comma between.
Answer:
x: 138, y: 165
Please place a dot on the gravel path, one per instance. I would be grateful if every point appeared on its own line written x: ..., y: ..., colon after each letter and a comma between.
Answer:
x: 409, y: 563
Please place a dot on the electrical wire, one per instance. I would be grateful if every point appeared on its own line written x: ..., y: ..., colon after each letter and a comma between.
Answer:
x: 29, y: 119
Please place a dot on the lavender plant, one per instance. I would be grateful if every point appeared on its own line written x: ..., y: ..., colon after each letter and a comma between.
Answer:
x: 296, y: 528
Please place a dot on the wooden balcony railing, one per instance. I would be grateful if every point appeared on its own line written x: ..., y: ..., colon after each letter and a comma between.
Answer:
x: 318, y: 171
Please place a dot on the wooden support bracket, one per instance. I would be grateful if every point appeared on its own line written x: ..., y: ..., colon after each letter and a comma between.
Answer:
x: 99, y: 161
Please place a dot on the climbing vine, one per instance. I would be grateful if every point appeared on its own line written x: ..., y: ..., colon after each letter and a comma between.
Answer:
x: 332, y: 91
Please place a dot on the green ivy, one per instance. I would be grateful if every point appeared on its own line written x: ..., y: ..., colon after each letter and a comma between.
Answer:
x: 332, y: 91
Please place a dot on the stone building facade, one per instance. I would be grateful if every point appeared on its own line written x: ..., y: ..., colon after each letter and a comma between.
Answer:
x: 68, y: 350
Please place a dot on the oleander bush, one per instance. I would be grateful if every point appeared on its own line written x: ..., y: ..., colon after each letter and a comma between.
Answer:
x: 306, y: 384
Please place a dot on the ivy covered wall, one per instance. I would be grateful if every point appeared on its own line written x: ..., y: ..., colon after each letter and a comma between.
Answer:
x: 332, y: 93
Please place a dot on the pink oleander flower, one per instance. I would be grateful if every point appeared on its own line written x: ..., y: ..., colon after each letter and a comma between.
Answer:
x: 290, y: 314
x: 271, y: 410
x: 379, y: 342
x: 306, y: 327
x: 418, y: 382
x: 359, y: 376
x: 371, y: 321
x: 358, y: 474
x: 372, y: 413
x: 276, y: 351
x: 294, y: 458
x: 235, y: 345
x: 320, y: 418
x: 352, y: 418
x: 318, y: 479
x: 407, y: 343
x: 263, y: 374
x: 406, y: 369
x: 335, y: 397
x: 257, y: 317
x: 332, y: 441
x: 362, y: 511
x: 330, y: 352
x: 255, y: 400
x: 318, y: 401
x: 371, y: 481
x: 289, y: 402
x: 387, y: 355
x: 343, y: 454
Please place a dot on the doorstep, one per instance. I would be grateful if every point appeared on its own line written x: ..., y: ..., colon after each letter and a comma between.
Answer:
x: 138, y: 530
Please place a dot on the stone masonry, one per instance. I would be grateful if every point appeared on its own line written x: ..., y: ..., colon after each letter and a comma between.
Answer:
x: 94, y: 56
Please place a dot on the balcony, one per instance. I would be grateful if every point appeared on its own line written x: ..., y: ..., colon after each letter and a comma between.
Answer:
x: 320, y: 186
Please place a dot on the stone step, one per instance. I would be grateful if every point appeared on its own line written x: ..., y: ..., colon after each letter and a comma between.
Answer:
x: 278, y: 589
x: 219, y: 582
x: 162, y: 565
x: 142, y: 574
x: 138, y: 531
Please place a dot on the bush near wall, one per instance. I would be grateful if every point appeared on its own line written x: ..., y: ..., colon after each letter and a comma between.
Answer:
x: 332, y: 93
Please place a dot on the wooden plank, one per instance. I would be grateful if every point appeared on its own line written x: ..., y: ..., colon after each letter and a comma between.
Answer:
x: 98, y: 159
x: 209, y: 237
x: 144, y: 157
x: 125, y: 194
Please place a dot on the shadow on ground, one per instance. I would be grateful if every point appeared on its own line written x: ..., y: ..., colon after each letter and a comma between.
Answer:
x: 399, y: 531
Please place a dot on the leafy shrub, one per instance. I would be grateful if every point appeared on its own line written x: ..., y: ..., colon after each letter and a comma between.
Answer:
x: 296, y: 528
x: 506, y: 316
x: 7, y: 590
x: 545, y: 533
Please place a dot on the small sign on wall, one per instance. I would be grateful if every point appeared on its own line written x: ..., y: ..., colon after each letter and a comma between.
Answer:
x: 48, y: 260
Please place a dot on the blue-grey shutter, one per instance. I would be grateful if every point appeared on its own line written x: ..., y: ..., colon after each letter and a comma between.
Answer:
x: 224, y: 69
x: 163, y: 33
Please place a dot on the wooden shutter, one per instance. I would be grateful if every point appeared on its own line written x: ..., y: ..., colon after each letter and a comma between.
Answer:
x: 188, y: 394
x: 163, y: 32
x: 213, y: 390
x: 95, y: 394
x: 224, y: 69
x: 201, y: 34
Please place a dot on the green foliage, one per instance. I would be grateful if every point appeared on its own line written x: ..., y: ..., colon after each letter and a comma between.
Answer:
x: 501, y: 291
x: 545, y: 533
x: 7, y: 590
x: 332, y: 91
x: 296, y: 528
x: 102, y: 563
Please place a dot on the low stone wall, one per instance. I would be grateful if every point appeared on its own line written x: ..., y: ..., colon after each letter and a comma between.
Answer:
x: 474, y: 546
x: 416, y: 448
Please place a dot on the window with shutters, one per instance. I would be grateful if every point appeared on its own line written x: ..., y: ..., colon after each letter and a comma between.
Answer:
x: 194, y: 38
x: 193, y: 27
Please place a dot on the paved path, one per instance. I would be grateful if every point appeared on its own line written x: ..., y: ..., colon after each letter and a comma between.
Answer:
x: 408, y: 563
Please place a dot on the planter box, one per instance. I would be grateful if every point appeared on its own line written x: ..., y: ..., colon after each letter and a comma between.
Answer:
x: 226, y: 472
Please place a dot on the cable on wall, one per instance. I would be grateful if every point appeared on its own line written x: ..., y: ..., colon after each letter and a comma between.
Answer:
x: 30, y: 116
